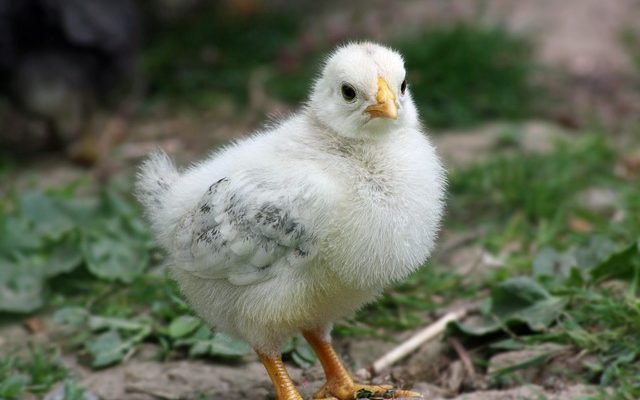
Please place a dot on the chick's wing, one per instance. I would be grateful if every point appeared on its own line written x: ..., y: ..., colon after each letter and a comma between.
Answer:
x: 245, y: 230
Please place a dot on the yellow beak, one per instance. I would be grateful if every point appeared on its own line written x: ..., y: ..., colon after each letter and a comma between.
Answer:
x: 386, y: 107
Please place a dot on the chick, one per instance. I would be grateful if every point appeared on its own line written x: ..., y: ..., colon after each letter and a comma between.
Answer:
x: 299, y: 225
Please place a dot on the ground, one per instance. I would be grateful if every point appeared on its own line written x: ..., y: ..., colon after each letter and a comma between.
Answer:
x: 530, y: 199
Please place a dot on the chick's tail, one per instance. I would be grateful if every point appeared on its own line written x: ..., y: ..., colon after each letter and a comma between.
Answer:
x: 155, y: 181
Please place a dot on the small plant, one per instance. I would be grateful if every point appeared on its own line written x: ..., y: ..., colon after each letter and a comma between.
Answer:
x: 570, y: 306
x: 47, y: 234
x: 72, y: 390
x: 35, y: 373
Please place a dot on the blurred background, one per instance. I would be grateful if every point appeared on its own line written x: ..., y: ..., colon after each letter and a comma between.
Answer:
x: 533, y: 105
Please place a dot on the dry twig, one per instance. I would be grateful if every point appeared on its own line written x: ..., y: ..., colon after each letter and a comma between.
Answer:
x: 414, y: 342
x: 464, y: 356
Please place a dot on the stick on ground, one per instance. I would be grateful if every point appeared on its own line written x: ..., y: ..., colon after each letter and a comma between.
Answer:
x: 403, y: 349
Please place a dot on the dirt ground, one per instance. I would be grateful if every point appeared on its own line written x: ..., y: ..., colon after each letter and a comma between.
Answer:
x: 579, y: 37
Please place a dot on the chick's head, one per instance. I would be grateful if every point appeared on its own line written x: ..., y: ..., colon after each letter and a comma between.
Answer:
x: 362, y: 92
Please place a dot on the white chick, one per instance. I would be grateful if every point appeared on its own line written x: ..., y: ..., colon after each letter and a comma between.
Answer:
x: 299, y: 225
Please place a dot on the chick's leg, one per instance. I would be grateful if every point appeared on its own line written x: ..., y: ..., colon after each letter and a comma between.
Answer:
x: 339, y: 382
x: 285, y: 389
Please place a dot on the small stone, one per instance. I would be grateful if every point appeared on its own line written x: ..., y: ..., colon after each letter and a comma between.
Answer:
x: 598, y: 199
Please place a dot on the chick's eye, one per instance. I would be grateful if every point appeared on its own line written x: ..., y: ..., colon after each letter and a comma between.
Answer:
x: 348, y: 92
x: 403, y: 87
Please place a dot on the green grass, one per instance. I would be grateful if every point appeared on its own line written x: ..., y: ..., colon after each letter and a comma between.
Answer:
x: 533, y: 198
x: 538, y: 186
x: 458, y: 75
x: 35, y: 372
x: 208, y: 58
x: 606, y: 323
x: 463, y: 74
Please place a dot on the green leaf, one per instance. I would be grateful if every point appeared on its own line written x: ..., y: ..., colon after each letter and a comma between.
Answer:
x: 114, y: 204
x: 550, y: 263
x: 223, y: 345
x: 74, y: 391
x: 17, y: 235
x: 596, y: 251
x: 517, y: 301
x: 74, y: 316
x: 183, y: 326
x: 215, y: 344
x: 107, y: 349
x: 21, y: 286
x: 200, y: 348
x: 82, y: 210
x: 623, y: 264
x: 115, y: 258
x: 64, y: 256
x: 303, y: 355
x: 507, y: 345
x: 300, y: 351
x: 45, y: 213
x: 289, y: 345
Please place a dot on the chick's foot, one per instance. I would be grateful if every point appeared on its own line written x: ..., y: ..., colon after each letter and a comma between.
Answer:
x: 339, y: 384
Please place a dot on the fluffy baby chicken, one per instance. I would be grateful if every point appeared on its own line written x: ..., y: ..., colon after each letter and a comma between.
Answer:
x: 298, y: 226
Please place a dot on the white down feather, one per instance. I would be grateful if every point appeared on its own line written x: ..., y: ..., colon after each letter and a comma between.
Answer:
x: 299, y: 225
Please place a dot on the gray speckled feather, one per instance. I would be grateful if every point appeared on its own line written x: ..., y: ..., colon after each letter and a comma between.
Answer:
x: 235, y: 233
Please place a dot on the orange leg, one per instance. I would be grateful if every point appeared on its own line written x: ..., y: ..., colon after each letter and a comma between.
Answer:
x: 285, y: 389
x: 339, y: 382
